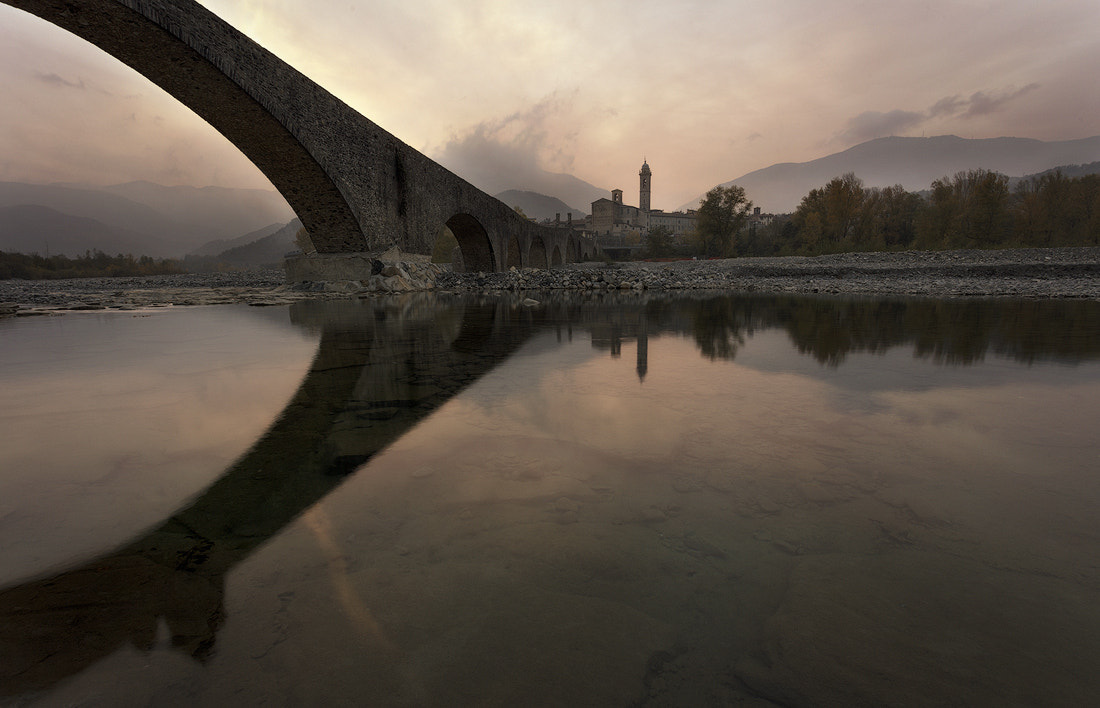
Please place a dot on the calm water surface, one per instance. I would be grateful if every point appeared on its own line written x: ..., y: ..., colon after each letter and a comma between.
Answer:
x: 627, y: 501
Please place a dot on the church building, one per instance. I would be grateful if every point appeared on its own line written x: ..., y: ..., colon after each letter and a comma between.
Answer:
x: 612, y: 220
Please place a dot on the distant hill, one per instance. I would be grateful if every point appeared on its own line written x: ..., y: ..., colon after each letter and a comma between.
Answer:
x: 913, y: 163
x: 213, y: 248
x: 198, y: 209
x: 266, y: 251
x: 494, y: 178
x: 1092, y: 168
x: 32, y: 228
x: 167, y: 221
x: 539, y: 206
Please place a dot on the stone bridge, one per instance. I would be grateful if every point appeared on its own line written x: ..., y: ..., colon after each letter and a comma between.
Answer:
x: 356, y: 187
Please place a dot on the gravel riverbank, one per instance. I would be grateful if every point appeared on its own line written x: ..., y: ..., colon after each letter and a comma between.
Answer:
x: 1027, y: 273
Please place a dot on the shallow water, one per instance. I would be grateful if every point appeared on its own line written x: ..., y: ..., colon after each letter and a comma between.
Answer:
x: 617, y: 501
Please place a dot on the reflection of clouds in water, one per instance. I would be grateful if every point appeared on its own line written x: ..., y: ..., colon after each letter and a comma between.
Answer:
x: 711, y: 479
x: 119, y: 412
x: 317, y: 520
x: 814, y: 422
x: 1017, y: 424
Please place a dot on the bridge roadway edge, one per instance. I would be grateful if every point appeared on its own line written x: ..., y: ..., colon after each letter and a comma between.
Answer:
x: 356, y: 187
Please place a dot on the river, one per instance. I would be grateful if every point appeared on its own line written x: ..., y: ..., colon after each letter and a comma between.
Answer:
x: 626, y: 499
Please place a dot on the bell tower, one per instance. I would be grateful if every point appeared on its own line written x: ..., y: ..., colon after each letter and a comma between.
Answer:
x: 644, y: 180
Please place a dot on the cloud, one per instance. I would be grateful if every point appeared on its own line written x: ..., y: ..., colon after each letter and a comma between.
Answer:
x: 513, y: 151
x: 876, y: 124
x: 53, y: 79
x: 982, y: 103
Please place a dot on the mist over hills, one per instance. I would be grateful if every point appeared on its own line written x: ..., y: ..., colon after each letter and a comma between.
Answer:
x: 913, y: 163
x: 32, y: 228
x: 140, y: 218
x: 493, y: 178
x: 540, y: 206
x: 249, y: 251
x: 220, y: 245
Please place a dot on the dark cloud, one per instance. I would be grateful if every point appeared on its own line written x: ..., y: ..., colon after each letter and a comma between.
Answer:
x: 949, y: 106
x: 52, y: 79
x: 508, y: 153
x: 982, y: 103
x: 876, y: 124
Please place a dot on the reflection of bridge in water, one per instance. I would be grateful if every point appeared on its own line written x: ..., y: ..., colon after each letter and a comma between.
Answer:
x: 384, y: 365
x: 378, y: 372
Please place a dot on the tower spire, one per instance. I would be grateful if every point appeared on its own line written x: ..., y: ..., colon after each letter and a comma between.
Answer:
x: 644, y: 186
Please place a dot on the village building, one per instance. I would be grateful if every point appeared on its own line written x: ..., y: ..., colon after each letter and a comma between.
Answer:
x: 614, y: 223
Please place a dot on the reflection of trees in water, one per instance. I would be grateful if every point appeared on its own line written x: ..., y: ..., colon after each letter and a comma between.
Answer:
x: 947, y: 331
x: 720, y: 325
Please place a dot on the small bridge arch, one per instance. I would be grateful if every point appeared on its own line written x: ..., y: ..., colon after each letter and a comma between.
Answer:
x: 355, y: 186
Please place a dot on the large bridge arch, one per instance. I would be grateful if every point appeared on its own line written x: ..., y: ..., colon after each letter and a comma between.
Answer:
x: 195, y: 73
x: 355, y: 186
x: 477, y: 249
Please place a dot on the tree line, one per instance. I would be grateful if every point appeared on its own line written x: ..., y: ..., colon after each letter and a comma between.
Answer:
x: 93, y: 264
x: 973, y: 209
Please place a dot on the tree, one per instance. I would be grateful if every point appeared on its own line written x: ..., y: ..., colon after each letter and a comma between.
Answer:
x: 304, y: 242
x: 829, y: 218
x: 722, y: 213
x: 971, y: 209
x: 889, y: 218
x: 658, y: 243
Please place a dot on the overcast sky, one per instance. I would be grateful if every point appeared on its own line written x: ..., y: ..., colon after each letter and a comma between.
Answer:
x: 705, y: 90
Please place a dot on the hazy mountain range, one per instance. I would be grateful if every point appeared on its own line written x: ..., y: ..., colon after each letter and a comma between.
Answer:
x: 265, y: 247
x: 140, y: 218
x: 495, y: 179
x: 914, y: 163
x: 250, y: 226
x: 539, y: 206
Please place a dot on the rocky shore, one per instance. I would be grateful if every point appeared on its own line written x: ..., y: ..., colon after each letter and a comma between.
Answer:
x: 1027, y: 273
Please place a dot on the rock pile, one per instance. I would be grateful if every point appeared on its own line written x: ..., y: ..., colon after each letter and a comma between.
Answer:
x: 352, y: 273
x: 395, y: 277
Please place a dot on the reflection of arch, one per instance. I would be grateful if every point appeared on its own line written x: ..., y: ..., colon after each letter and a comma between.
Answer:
x: 515, y: 257
x: 538, y: 254
x: 477, y: 249
x: 555, y: 257
x: 363, y: 391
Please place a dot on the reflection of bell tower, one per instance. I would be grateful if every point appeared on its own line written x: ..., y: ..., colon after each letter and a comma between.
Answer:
x: 644, y: 177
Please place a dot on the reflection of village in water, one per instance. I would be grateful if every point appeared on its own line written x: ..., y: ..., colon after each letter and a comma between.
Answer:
x: 383, y: 366
x: 828, y: 329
